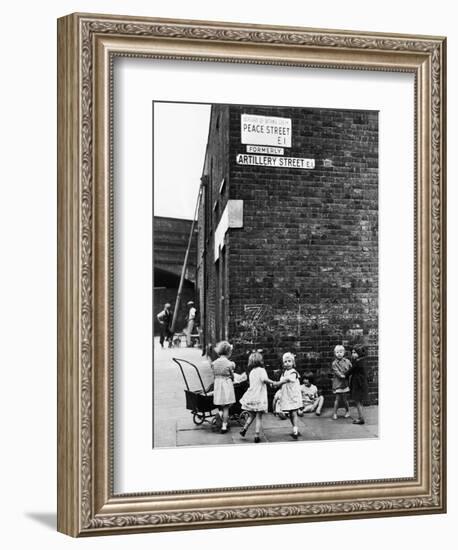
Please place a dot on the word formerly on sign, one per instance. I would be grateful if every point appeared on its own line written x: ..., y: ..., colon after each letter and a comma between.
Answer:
x: 263, y: 130
x: 275, y: 162
x: 264, y: 150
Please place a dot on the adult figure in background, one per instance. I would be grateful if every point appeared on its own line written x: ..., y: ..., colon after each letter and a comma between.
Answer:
x: 190, y: 320
x: 165, y: 320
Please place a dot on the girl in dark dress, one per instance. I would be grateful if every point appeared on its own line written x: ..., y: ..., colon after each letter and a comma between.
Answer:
x: 358, y: 381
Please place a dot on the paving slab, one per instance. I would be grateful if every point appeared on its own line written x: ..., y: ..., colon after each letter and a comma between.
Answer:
x: 169, y: 404
x: 311, y: 428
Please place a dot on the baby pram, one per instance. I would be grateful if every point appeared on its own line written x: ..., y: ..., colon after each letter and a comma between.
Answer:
x: 200, y: 401
x: 197, y: 401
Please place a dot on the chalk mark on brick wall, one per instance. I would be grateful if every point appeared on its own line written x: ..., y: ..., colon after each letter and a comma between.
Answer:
x: 255, y: 325
x: 256, y: 312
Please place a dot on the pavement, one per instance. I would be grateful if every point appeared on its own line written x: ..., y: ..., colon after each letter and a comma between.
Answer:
x: 174, y: 425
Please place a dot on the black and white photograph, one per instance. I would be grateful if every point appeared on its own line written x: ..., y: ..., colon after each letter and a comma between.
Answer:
x: 227, y: 231
x: 266, y: 270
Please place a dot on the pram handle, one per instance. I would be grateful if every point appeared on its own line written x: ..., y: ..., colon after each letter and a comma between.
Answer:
x: 178, y: 362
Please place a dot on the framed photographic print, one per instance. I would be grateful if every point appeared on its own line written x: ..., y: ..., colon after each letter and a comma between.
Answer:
x: 251, y: 274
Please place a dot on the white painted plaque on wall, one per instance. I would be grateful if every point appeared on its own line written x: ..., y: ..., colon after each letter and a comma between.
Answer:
x: 275, y: 162
x: 266, y: 130
x: 265, y: 150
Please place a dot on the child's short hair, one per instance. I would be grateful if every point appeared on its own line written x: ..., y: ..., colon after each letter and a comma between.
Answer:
x: 339, y: 346
x: 289, y: 355
x: 360, y: 350
x: 223, y: 348
x: 255, y: 360
x: 307, y: 376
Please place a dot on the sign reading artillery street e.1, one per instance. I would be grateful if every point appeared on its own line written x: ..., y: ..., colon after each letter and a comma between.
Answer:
x: 275, y: 162
x: 265, y: 130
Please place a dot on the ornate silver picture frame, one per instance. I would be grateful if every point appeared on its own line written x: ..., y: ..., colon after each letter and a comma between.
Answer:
x: 88, y: 45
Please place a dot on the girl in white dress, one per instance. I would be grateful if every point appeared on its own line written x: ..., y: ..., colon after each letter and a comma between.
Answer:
x: 290, y: 397
x: 223, y: 391
x: 254, y: 400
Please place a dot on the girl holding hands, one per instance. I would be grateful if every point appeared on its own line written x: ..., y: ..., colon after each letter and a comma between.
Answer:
x: 290, y: 397
x: 254, y: 400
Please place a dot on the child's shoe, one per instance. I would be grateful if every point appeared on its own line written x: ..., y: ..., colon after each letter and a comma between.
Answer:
x: 347, y: 414
x: 257, y: 439
x: 358, y: 421
x: 334, y: 417
x: 243, y: 432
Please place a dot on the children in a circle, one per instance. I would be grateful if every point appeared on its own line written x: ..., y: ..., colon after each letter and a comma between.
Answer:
x: 296, y: 396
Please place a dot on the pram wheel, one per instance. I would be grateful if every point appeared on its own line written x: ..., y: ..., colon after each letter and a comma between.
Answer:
x: 198, y: 418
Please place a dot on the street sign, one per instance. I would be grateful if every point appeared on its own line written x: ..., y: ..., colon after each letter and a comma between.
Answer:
x: 275, y: 162
x: 265, y: 150
x: 263, y: 130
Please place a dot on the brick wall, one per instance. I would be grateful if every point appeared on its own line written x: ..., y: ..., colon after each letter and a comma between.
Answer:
x: 303, y: 270
x: 170, y: 238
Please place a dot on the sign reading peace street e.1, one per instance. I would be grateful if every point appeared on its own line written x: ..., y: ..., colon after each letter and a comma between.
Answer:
x: 266, y: 130
x: 275, y: 162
